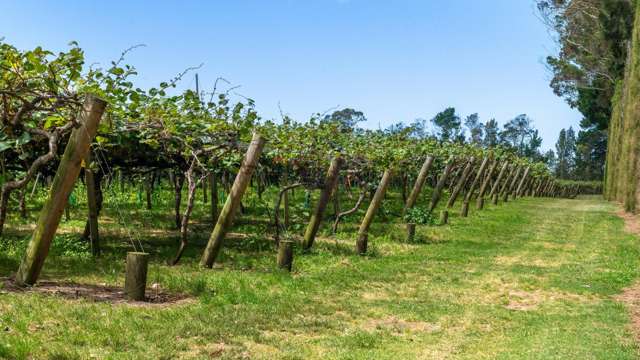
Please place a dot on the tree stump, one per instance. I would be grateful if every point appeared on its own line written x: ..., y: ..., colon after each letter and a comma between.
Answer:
x: 285, y: 254
x: 411, y: 232
x: 135, y: 282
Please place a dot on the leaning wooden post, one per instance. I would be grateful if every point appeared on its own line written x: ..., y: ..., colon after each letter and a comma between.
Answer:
x: 135, y: 282
x: 493, y: 195
x: 417, y: 187
x: 485, y: 185
x: 520, y: 188
x: 437, y: 192
x: 504, y: 186
x: 469, y: 194
x: 225, y: 218
x: 461, y: 182
x: 94, y: 237
x: 63, y: 183
x: 316, y: 219
x: 363, y: 231
x: 512, y: 184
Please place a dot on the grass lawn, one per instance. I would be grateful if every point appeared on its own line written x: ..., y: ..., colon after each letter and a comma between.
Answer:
x: 530, y: 279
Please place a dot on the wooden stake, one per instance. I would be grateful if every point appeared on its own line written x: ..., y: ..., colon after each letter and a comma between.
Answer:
x: 420, y: 180
x: 63, y: 183
x: 225, y: 219
x: 378, y: 197
x: 476, y: 181
x: 437, y: 192
x: 461, y: 182
x: 485, y: 185
x: 411, y: 232
x: 316, y: 219
x: 285, y: 254
x: 135, y: 282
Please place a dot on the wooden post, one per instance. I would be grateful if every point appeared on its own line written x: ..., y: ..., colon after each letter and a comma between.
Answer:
x: 420, y: 180
x: 411, y: 232
x: 363, y: 231
x: 476, y: 181
x: 285, y: 254
x: 496, y: 185
x: 520, y: 189
x: 135, y: 282
x: 485, y: 185
x: 512, y: 184
x: 63, y: 183
x: 461, y: 182
x: 94, y: 237
x: 504, y: 186
x: 437, y: 193
x: 225, y: 219
x: 316, y: 219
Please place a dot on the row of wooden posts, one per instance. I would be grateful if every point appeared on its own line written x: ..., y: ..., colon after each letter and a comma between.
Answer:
x: 517, y: 182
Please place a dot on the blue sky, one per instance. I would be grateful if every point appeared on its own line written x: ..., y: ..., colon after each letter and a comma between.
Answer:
x: 394, y: 60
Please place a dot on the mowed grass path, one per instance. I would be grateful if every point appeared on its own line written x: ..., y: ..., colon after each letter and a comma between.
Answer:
x: 530, y: 279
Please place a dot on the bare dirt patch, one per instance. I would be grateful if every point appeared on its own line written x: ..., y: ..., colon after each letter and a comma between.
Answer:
x: 631, y: 221
x: 631, y: 298
x: 95, y: 293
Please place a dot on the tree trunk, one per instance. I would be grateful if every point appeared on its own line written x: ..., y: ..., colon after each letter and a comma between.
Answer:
x: 66, y: 175
x: 363, y: 194
x: 316, y: 219
x: 363, y: 231
x: 276, y: 211
x: 92, y: 204
x: 213, y: 183
x: 192, y: 186
x: 420, y: 180
x: 178, y: 183
x: 225, y: 219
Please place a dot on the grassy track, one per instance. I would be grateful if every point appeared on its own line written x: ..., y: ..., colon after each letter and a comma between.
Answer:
x: 531, y: 279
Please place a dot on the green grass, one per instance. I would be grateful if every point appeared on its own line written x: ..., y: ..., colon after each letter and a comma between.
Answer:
x: 533, y: 279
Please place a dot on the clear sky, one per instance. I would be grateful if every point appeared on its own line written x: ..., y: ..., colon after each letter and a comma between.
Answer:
x: 394, y: 60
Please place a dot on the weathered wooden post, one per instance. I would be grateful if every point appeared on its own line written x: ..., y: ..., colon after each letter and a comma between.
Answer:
x: 363, y: 231
x: 226, y: 216
x: 285, y: 255
x: 442, y: 181
x: 66, y: 176
x: 135, y: 282
x: 458, y: 188
x: 493, y: 195
x: 512, y: 184
x: 444, y: 217
x: 505, y: 185
x: 476, y: 180
x: 417, y: 187
x: 316, y: 219
x: 485, y: 186
x: 94, y: 237
x: 520, y: 188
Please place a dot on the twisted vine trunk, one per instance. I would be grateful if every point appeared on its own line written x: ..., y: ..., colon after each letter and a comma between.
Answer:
x: 192, y: 186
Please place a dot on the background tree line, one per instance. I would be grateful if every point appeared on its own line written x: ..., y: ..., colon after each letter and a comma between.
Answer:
x: 593, y: 39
